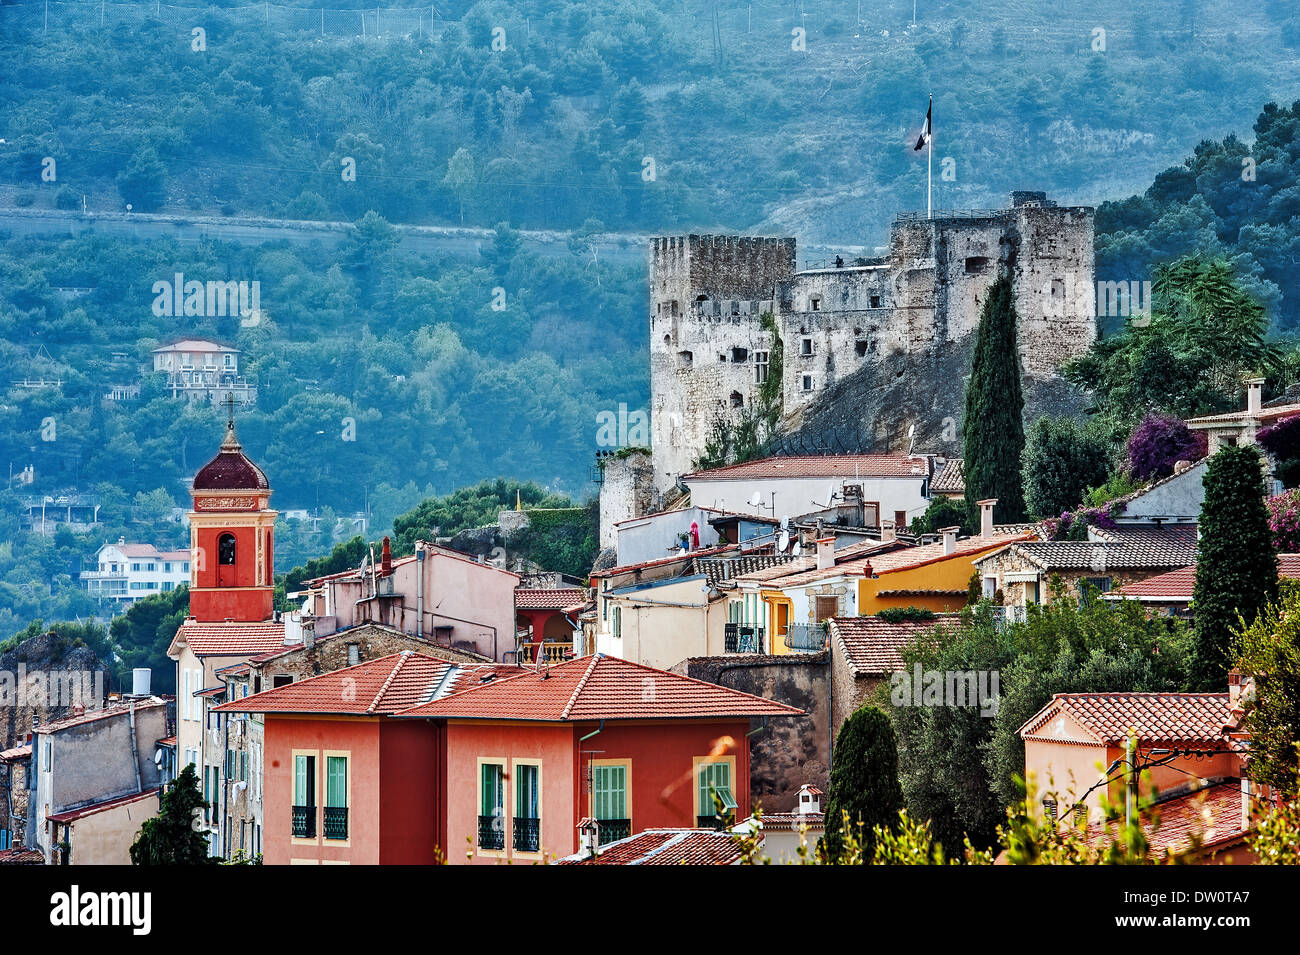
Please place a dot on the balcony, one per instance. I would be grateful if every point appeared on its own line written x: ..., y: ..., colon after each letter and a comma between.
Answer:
x: 491, y: 832
x: 304, y: 822
x: 528, y: 834
x: 743, y: 638
x: 336, y: 822
x: 715, y: 821
x: 556, y: 652
x: 808, y: 637
x: 612, y: 830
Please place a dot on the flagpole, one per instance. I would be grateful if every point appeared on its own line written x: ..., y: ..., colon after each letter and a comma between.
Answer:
x: 929, y: 161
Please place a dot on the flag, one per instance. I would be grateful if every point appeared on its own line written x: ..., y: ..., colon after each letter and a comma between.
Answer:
x: 925, y: 133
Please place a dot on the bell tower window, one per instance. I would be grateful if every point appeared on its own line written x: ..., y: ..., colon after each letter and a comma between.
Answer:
x: 226, y: 549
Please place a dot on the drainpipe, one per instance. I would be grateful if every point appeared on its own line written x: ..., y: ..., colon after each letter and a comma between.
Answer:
x: 135, y: 753
x: 581, y: 740
x: 419, y: 590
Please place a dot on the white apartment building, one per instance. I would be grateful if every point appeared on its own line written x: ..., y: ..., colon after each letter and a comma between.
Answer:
x: 128, y: 572
x: 202, y: 370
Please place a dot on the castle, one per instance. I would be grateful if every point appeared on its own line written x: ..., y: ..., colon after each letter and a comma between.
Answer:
x: 710, y: 351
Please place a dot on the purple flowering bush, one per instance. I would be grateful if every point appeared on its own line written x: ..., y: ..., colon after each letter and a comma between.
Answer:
x: 1284, y: 521
x: 1159, y: 442
x: 1073, y: 525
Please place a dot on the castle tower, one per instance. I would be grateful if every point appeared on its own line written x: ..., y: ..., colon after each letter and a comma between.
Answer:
x: 232, y: 529
x: 707, y: 347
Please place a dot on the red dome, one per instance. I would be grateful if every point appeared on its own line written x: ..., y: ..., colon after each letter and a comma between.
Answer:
x: 230, y: 470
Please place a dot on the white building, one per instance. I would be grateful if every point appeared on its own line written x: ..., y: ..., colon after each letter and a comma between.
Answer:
x: 202, y: 370
x: 889, y: 486
x: 128, y: 572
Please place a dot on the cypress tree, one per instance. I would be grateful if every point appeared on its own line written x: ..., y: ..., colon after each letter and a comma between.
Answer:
x: 170, y: 838
x: 1236, y: 567
x: 864, y: 781
x: 993, y: 428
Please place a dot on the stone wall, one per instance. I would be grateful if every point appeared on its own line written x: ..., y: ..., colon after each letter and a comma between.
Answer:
x: 627, y: 490
x: 790, y: 751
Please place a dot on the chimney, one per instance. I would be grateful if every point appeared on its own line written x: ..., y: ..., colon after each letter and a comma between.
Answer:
x: 809, y: 804
x: 887, y: 530
x: 1234, y: 686
x: 308, y: 632
x: 1255, y: 395
x: 986, y: 516
x: 386, y: 559
x: 949, y: 540
x: 589, y: 836
x: 825, y: 553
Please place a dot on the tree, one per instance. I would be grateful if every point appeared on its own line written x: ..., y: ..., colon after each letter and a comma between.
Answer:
x: 993, y: 430
x: 170, y: 838
x: 1161, y: 441
x: 460, y: 177
x: 864, y: 781
x: 943, y: 512
x: 143, y: 183
x: 1061, y: 462
x: 1282, y: 441
x: 1269, y: 652
x: 1236, y: 569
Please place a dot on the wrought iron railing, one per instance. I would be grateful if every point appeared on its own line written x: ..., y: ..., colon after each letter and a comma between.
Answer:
x: 528, y: 834
x: 805, y: 636
x: 491, y: 832
x: 336, y: 822
x: 304, y: 822
x: 715, y: 821
x: 742, y: 638
x: 611, y: 830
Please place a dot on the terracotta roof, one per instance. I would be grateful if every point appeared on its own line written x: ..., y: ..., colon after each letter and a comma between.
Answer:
x: 228, y: 639
x: 793, y: 821
x: 1212, y: 812
x: 666, y: 847
x: 1177, y: 585
x: 149, y: 550
x: 378, y: 687
x: 103, y: 713
x: 72, y: 815
x: 841, y: 466
x: 719, y: 569
x: 195, y: 345
x: 872, y: 646
x: 1157, y: 717
x: 431, y: 550
x: 910, y: 557
x: 16, y: 856
x: 600, y: 687
x: 951, y: 478
x: 1232, y: 417
x: 167, y: 741
x: 18, y: 752
x: 1147, y: 550
x: 235, y: 669
x: 659, y: 561
x: 526, y: 599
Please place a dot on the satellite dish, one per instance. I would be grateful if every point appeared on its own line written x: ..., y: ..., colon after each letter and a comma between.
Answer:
x: 682, y: 552
x: 157, y: 758
x: 830, y: 499
x: 785, y: 521
x: 782, y: 540
x: 911, y: 430
x: 757, y: 499
x: 798, y: 549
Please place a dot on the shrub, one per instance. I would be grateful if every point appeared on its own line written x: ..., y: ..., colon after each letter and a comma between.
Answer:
x: 1159, y: 442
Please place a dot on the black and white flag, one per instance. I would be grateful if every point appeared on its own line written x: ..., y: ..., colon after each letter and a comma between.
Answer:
x: 925, y: 133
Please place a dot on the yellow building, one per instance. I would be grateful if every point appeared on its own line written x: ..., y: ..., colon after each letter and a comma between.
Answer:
x: 933, y: 576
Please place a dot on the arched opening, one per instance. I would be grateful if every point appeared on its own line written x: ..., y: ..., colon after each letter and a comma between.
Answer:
x: 226, y: 549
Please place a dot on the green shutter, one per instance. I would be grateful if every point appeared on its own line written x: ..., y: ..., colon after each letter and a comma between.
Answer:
x: 527, y: 797
x: 336, y: 781
x: 609, y: 789
x: 492, y: 802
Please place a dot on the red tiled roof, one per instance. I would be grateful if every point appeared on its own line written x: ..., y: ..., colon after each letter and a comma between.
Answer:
x: 149, y: 550
x: 167, y: 741
x: 228, y: 639
x: 1230, y: 417
x: 375, y: 688
x: 1157, y: 717
x: 600, y: 687
x: 19, y: 856
x: 910, y: 557
x: 951, y: 479
x: 667, y: 847
x: 702, y: 552
x: 548, y: 599
x: 74, y: 814
x: 1177, y: 585
x: 103, y: 713
x: 1213, y: 813
x: 815, y: 466
x: 794, y: 821
x: 18, y: 752
x: 873, y: 646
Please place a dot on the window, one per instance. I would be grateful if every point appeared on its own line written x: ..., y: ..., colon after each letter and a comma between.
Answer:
x: 492, y: 801
x: 990, y: 586
x: 149, y: 566
x: 230, y: 764
x: 826, y: 607
x: 807, y: 383
x: 976, y: 264
x: 243, y: 767
x: 226, y: 549
x: 685, y: 359
x: 354, y: 654
x: 618, y: 622
x: 739, y: 355
x: 714, y: 794
x: 336, y: 797
x: 609, y: 800
x: 816, y: 303
x: 760, y: 367
x: 875, y: 301
x: 528, y: 807
x: 860, y: 347
x: 900, y: 520
x: 135, y: 566
x: 47, y: 757
x: 737, y: 400
x: 304, y: 797
x: 280, y: 679
x: 805, y: 346
x: 167, y: 568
